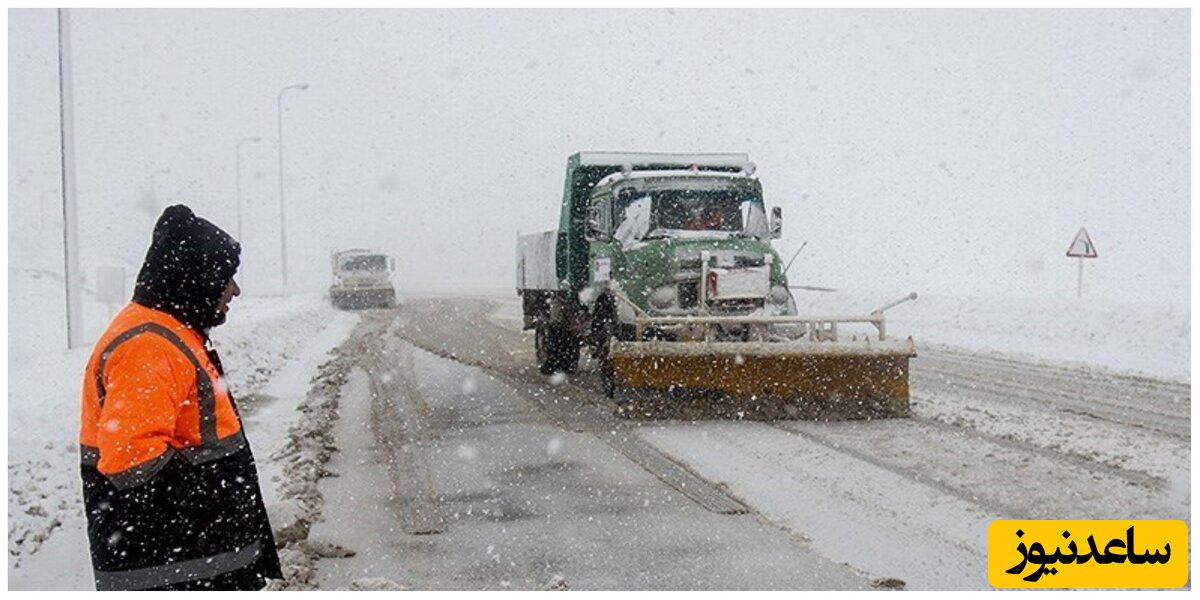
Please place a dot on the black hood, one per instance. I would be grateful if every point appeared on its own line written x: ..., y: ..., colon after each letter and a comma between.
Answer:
x: 188, y: 266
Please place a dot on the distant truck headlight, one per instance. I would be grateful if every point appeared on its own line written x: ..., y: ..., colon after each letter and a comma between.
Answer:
x: 664, y: 297
x: 778, y: 295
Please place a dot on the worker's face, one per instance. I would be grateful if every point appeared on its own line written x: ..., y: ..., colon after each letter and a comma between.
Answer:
x: 231, y: 290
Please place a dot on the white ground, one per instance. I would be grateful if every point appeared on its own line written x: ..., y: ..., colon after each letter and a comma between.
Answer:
x: 387, y: 441
x: 1149, y: 338
x: 270, y: 348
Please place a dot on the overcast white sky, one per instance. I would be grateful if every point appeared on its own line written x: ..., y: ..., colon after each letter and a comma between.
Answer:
x: 953, y: 151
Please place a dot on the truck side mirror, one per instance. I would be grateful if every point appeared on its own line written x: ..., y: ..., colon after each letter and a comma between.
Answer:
x: 776, y: 222
x: 593, y: 230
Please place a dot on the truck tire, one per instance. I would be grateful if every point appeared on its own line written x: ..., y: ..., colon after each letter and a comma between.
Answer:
x: 608, y: 380
x: 544, y: 344
x: 568, y: 353
x: 557, y: 349
x: 604, y: 329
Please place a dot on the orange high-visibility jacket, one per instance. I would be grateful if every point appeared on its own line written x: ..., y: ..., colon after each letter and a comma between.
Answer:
x: 150, y: 392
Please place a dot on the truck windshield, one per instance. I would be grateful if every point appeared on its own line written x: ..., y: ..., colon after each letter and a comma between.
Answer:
x: 699, y: 211
x: 375, y: 262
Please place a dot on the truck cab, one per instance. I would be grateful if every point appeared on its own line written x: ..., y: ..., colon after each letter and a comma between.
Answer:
x: 362, y: 278
x: 649, y: 234
x: 662, y: 264
x: 685, y: 242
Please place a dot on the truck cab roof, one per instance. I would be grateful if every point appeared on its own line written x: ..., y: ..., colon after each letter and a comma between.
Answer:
x: 678, y: 160
x: 615, y: 177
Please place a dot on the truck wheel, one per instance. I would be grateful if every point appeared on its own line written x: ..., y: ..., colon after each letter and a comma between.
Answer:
x: 608, y: 380
x: 544, y: 342
x: 568, y: 353
x: 602, y: 335
x: 557, y: 349
x: 604, y: 327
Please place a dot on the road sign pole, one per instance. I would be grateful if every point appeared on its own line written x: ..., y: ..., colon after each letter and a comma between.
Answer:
x: 1081, y: 248
x: 1079, y: 286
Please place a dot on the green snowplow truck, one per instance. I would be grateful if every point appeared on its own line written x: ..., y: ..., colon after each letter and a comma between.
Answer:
x: 662, y: 266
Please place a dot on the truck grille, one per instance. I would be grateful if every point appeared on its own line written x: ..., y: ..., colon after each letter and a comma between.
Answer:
x: 740, y: 306
x: 689, y: 297
x: 689, y: 293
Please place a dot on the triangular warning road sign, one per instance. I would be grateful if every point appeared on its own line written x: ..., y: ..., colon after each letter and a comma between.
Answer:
x: 1082, y: 247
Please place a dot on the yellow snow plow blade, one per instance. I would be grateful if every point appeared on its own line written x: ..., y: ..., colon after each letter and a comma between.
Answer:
x: 799, y: 380
x: 790, y: 367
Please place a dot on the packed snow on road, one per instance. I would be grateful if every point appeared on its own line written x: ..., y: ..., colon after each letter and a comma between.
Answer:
x: 418, y: 447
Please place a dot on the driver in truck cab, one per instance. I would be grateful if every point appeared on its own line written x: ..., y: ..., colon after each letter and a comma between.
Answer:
x: 702, y: 218
x: 708, y: 217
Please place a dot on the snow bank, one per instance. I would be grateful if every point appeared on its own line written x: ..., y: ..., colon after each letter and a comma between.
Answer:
x: 46, y: 528
x: 309, y: 446
x: 1150, y: 339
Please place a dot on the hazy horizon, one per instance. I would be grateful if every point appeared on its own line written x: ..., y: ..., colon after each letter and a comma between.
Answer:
x: 943, y: 151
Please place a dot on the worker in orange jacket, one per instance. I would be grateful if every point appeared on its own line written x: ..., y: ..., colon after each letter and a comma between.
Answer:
x: 169, y: 484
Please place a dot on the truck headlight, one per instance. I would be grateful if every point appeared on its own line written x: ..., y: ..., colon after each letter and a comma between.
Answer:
x: 778, y: 295
x: 664, y: 297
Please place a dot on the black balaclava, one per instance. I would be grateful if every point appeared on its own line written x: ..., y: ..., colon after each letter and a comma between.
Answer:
x: 188, y: 266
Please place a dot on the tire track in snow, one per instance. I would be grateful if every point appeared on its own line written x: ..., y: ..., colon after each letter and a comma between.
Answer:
x: 547, y: 499
x: 574, y: 413
x: 986, y: 454
x: 853, y: 511
x: 961, y: 378
x: 401, y: 420
x: 1004, y: 477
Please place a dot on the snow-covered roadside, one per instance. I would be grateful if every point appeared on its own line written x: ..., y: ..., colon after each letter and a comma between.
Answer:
x: 1150, y: 339
x: 269, y: 347
x: 299, y: 464
x: 357, y: 486
x: 274, y: 364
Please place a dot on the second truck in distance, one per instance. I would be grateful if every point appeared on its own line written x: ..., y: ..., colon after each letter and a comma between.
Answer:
x: 362, y: 279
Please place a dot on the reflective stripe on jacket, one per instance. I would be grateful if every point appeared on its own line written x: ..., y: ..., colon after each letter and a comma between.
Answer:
x: 150, y: 391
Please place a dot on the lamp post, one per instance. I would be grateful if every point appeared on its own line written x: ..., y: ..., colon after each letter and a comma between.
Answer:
x: 282, y: 204
x: 72, y: 277
x: 238, y: 177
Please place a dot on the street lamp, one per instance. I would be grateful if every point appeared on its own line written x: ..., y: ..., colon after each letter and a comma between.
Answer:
x: 282, y: 205
x: 238, y: 176
x: 72, y: 277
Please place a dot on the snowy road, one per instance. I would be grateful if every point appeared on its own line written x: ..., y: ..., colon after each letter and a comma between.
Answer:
x: 467, y: 483
x: 503, y: 478
x: 425, y: 451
